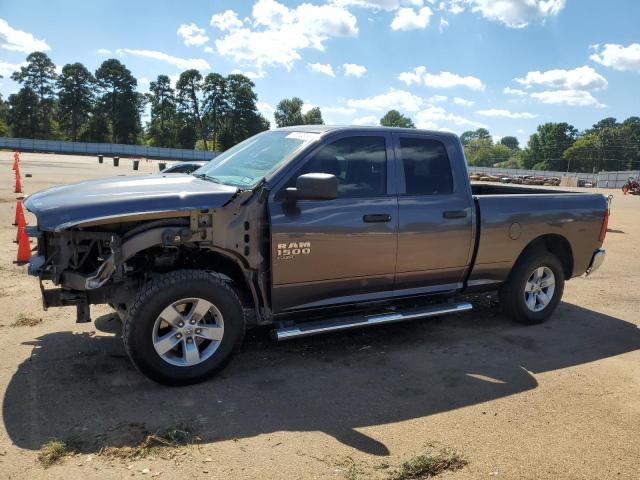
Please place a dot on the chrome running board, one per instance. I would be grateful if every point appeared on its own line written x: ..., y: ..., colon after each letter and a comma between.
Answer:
x: 306, y: 329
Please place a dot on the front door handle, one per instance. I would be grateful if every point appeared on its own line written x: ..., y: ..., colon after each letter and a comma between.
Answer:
x: 455, y: 214
x: 377, y: 218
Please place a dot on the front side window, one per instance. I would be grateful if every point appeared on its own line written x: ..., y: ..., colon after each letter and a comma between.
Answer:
x: 359, y: 163
x: 427, y: 170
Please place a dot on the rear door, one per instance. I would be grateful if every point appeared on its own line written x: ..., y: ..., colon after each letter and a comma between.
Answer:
x: 435, y: 225
x: 327, y: 252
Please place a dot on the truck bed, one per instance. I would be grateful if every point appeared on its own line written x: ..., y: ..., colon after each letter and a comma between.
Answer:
x: 510, y: 217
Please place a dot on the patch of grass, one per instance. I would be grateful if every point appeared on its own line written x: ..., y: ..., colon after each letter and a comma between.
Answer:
x: 26, y: 320
x: 53, y: 451
x: 154, y: 444
x: 351, y: 469
x: 429, y: 464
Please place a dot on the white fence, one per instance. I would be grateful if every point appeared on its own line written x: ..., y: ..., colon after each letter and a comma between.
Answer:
x: 615, y: 179
x: 111, y: 149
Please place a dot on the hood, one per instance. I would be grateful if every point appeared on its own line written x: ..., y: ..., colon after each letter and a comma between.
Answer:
x: 65, y: 206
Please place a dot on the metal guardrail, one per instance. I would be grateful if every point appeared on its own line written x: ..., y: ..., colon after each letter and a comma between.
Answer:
x: 109, y: 149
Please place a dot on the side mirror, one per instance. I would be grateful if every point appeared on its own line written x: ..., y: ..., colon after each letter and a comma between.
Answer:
x: 314, y: 186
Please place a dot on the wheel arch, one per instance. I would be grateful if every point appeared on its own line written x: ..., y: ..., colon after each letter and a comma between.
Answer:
x: 555, y: 244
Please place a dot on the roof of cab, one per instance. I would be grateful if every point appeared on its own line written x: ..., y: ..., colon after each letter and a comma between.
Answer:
x: 331, y: 128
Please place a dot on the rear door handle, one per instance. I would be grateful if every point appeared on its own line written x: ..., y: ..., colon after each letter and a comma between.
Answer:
x: 377, y: 218
x: 455, y: 214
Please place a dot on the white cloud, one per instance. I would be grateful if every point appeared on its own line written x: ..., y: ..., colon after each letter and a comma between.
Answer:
x: 208, y: 49
x: 181, y: 63
x: 416, y: 76
x: 339, y: 110
x: 440, y: 80
x: 515, y: 13
x: 410, y: 19
x: 366, y: 120
x: 354, y: 70
x: 143, y: 84
x: 250, y: 74
x: 307, y: 106
x: 324, y: 68
x: 192, y: 34
x: 581, y: 78
x: 574, y: 98
x: 618, y: 57
x: 277, y: 33
x: 443, y: 23
x: 226, y: 21
x: 265, y: 107
x: 514, y: 91
x: 6, y: 69
x: 450, y: 80
x: 427, y: 117
x: 393, y: 99
x: 19, y: 41
x: 463, y: 101
x: 503, y: 113
x: 388, y: 5
x: 438, y: 98
x: 104, y: 51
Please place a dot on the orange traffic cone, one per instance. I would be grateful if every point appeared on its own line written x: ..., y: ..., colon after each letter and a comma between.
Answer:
x: 22, y: 224
x: 24, y: 248
x: 19, y: 213
x: 17, y: 169
x: 18, y: 188
x: 15, y: 163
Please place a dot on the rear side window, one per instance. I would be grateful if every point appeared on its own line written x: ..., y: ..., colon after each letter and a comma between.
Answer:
x: 360, y: 163
x: 427, y: 170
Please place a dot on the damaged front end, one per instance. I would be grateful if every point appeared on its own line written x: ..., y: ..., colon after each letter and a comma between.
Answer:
x: 106, y: 261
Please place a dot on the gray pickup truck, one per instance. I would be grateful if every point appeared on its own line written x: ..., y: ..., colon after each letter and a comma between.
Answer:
x: 306, y: 229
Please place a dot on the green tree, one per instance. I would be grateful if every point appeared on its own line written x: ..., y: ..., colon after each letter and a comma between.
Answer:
x: 510, y: 142
x: 119, y: 101
x: 215, y: 104
x: 289, y: 112
x: 189, y: 92
x: 75, y: 98
x: 4, y: 117
x: 393, y: 118
x: 547, y: 145
x: 24, y: 117
x: 584, y: 154
x: 313, y: 117
x: 243, y: 119
x: 39, y: 76
x: 481, y: 134
x: 162, y: 124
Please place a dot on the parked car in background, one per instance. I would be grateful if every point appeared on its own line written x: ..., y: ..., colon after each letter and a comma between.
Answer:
x: 184, y: 167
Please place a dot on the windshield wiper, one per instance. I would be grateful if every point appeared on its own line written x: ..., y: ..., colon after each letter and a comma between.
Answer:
x: 204, y: 176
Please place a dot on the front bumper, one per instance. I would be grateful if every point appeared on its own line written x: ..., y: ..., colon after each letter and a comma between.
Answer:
x: 597, y: 260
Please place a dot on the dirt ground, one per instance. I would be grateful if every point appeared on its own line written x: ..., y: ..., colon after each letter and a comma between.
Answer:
x: 558, y: 400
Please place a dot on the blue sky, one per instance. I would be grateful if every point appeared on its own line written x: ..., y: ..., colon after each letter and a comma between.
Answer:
x: 456, y: 65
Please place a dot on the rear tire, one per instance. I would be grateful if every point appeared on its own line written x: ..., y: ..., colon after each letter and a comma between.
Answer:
x: 534, y: 287
x: 183, y: 327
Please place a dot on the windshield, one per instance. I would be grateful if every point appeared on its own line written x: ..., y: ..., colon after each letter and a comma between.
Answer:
x: 245, y: 164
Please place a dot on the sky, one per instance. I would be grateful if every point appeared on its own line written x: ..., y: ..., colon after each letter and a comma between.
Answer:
x: 456, y: 65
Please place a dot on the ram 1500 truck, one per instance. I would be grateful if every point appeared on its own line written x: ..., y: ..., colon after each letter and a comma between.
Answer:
x: 307, y: 229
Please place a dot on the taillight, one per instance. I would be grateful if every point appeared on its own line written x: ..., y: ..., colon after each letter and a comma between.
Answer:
x: 605, y: 220
x: 605, y: 224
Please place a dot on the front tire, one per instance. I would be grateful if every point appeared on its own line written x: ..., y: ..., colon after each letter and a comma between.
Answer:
x: 183, y: 327
x: 534, y: 287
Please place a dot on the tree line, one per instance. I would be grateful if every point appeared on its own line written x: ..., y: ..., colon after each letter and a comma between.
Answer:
x: 211, y: 112
x: 607, y: 145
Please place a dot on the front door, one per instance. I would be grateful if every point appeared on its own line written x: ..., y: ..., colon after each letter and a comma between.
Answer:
x: 328, y: 252
x: 435, y: 225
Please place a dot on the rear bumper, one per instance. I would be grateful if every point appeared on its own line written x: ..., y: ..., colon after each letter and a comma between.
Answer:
x: 596, y: 261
